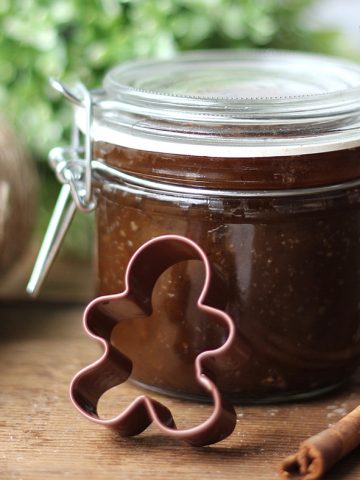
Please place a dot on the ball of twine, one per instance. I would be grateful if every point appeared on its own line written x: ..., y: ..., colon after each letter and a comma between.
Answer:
x: 18, y: 199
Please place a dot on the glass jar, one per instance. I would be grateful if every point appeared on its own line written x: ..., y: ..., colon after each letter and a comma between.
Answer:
x: 254, y: 155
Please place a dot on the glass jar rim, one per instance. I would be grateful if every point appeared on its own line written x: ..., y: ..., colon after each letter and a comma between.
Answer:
x: 269, y: 70
x: 231, y: 103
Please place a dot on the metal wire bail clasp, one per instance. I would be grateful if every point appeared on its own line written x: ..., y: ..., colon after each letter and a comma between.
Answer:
x: 73, y: 168
x: 72, y: 164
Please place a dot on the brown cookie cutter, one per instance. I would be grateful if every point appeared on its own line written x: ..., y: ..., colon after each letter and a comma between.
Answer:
x: 114, y: 368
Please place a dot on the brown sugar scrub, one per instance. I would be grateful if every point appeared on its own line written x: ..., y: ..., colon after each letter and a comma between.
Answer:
x: 320, y: 452
x: 289, y: 267
x: 254, y: 156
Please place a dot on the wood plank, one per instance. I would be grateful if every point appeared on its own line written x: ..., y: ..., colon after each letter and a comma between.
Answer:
x: 42, y: 437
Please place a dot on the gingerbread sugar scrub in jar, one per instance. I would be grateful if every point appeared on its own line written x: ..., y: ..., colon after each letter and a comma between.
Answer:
x: 254, y: 155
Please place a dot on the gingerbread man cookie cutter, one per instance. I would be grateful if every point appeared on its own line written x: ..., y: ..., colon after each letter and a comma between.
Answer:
x: 114, y: 368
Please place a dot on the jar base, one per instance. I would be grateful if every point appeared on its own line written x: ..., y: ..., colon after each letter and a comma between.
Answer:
x: 239, y: 399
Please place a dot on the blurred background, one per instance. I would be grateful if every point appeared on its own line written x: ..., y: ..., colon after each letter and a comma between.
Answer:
x: 76, y: 40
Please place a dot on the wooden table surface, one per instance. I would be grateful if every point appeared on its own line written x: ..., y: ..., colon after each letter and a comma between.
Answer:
x: 43, y: 437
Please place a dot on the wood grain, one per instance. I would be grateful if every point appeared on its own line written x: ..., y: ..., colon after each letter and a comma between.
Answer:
x: 42, y: 437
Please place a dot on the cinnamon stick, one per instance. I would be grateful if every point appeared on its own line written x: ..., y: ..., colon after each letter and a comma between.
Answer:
x: 319, y: 453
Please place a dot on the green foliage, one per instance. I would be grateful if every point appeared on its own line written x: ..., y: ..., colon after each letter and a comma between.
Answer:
x: 77, y: 39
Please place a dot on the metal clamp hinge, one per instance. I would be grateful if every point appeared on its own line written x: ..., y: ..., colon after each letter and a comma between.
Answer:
x: 72, y: 164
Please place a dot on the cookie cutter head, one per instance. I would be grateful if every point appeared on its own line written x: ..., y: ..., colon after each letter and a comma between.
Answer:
x: 114, y: 368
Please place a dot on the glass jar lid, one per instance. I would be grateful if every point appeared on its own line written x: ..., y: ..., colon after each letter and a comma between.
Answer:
x: 231, y: 103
